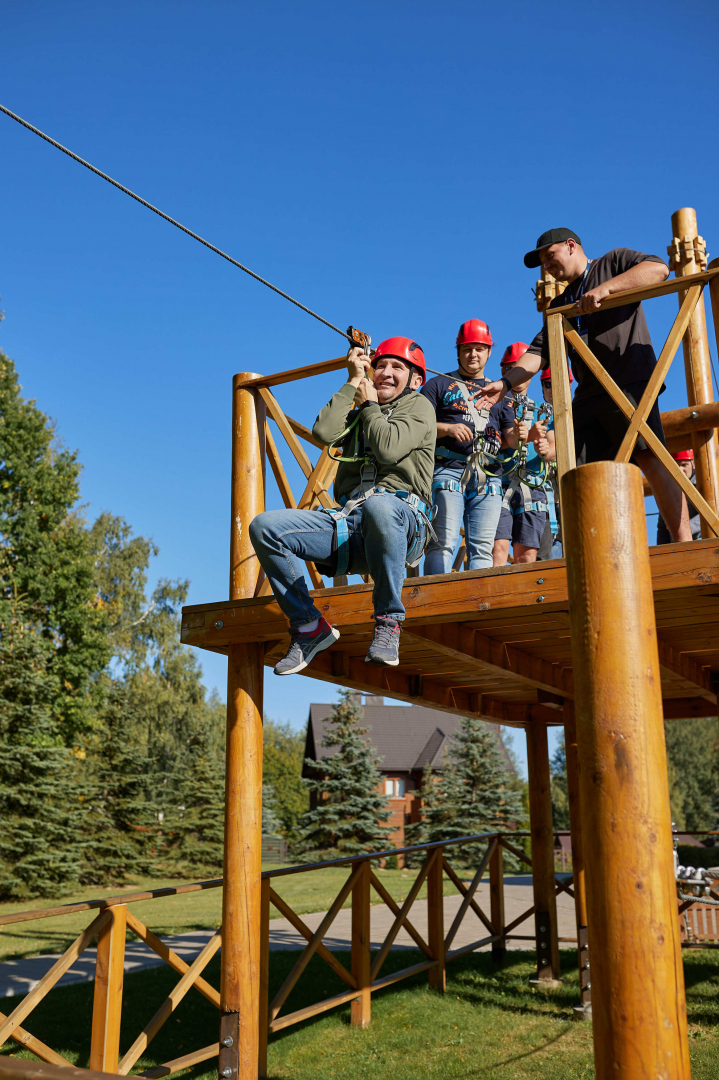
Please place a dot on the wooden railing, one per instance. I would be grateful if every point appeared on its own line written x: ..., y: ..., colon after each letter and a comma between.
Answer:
x: 362, y: 977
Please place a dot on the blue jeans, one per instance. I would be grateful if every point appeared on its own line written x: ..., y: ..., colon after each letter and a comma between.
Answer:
x: 381, y: 532
x: 477, y: 508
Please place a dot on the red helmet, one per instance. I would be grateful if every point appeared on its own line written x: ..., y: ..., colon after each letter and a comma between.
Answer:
x: 474, y: 332
x: 403, y: 348
x: 684, y: 455
x: 547, y: 374
x: 513, y: 352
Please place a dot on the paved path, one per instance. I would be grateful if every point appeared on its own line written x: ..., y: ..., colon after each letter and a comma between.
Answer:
x: 19, y: 976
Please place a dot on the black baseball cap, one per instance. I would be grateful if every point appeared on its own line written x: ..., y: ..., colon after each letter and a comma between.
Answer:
x: 552, y: 236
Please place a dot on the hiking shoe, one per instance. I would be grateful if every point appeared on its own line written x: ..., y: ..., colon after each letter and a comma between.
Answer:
x: 385, y: 644
x: 305, y: 646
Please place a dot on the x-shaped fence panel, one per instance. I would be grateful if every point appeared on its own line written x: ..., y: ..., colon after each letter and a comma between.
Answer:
x: 560, y: 331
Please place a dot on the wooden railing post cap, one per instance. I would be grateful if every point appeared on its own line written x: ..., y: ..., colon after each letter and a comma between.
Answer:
x: 243, y: 376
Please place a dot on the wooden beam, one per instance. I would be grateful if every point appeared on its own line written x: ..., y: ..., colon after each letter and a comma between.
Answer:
x: 635, y: 296
x: 444, y: 597
x: 680, y: 664
x: 687, y: 708
x: 278, y: 470
x: 292, y: 374
x: 472, y: 647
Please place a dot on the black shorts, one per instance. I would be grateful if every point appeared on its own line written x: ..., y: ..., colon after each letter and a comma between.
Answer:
x: 600, y: 425
x: 525, y: 528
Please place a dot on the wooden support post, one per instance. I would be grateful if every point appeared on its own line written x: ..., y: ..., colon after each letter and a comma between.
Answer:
x: 561, y: 395
x: 361, y: 1007
x: 265, y: 889
x: 687, y: 256
x: 638, y: 1001
x: 107, y: 1002
x: 248, y: 486
x: 542, y: 830
x: 435, y: 920
x: 584, y: 1009
x: 240, y: 979
x: 496, y: 901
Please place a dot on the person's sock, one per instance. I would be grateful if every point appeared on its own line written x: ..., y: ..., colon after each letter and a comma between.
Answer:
x: 310, y: 627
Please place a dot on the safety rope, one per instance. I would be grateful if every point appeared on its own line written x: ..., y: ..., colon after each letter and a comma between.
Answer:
x: 183, y: 228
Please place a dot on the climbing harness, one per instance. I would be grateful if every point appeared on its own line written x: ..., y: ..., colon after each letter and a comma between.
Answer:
x: 422, y: 513
x: 524, y: 480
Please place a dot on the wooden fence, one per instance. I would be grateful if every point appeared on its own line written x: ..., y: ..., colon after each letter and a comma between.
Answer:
x: 114, y: 919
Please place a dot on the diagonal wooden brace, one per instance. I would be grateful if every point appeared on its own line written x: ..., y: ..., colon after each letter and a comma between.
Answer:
x: 654, y: 385
x: 400, y: 919
x: 469, y: 896
x: 655, y: 445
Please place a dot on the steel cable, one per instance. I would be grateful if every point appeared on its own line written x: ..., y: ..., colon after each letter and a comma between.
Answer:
x: 183, y: 228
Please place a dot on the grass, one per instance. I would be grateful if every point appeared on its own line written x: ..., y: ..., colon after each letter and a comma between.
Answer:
x: 305, y: 893
x: 489, y: 1024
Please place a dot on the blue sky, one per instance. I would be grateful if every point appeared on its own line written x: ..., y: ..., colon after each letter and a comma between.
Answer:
x: 387, y: 163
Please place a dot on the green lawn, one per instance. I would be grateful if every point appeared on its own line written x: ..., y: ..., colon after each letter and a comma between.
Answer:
x: 306, y: 892
x: 489, y: 1023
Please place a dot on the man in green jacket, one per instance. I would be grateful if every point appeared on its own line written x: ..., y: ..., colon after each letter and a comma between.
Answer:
x: 387, y: 433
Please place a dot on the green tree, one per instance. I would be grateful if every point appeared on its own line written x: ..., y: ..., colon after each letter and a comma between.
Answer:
x: 692, y: 760
x: 282, y: 760
x: 558, y: 786
x: 349, y: 815
x: 53, y: 647
x: 474, y: 793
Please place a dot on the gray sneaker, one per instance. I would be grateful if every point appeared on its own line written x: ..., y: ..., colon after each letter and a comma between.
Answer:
x: 305, y: 646
x: 385, y: 644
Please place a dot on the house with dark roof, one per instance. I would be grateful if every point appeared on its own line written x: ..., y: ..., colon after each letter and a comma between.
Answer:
x: 407, y: 738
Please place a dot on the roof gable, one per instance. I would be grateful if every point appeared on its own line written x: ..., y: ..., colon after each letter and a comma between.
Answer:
x: 406, y: 737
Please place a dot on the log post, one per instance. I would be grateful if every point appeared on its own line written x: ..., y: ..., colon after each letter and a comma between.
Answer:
x: 584, y: 1009
x: 687, y: 255
x: 361, y: 1006
x: 496, y: 901
x: 264, y: 1018
x: 241, y: 904
x: 107, y: 1002
x: 435, y: 919
x: 638, y: 1001
x: 543, y: 878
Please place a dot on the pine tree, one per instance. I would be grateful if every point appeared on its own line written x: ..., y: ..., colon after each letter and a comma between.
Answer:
x: 558, y: 786
x: 350, y: 811
x: 475, y: 792
x: 270, y: 821
x: 53, y: 645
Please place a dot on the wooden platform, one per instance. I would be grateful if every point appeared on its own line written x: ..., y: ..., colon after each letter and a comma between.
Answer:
x: 491, y: 643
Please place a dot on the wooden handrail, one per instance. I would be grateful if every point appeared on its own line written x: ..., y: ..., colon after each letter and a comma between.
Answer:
x: 293, y: 374
x: 647, y: 292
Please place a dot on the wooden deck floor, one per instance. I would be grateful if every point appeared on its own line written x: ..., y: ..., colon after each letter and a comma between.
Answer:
x: 492, y: 643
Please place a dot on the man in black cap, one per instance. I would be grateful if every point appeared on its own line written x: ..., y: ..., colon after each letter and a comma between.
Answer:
x: 620, y: 340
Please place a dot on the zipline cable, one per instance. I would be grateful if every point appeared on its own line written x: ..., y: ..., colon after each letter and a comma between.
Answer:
x: 183, y: 228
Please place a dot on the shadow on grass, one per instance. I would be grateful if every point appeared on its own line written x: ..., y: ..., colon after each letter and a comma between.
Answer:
x: 63, y: 1018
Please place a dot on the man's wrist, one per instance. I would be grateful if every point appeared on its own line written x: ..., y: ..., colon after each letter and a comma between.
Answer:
x: 506, y: 383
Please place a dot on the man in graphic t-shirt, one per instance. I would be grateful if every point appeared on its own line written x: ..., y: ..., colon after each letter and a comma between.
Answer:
x: 462, y: 492
x: 619, y: 338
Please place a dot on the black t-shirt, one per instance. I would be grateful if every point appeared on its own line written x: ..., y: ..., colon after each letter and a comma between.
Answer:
x: 446, y: 396
x: 618, y: 337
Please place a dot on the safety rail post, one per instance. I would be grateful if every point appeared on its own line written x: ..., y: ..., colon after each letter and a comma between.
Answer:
x: 543, y: 880
x: 435, y: 920
x: 496, y: 900
x: 638, y: 999
x: 107, y: 1000
x: 584, y: 1008
x: 714, y: 297
x: 687, y: 255
x: 264, y: 1017
x: 361, y: 1006
x: 240, y: 978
